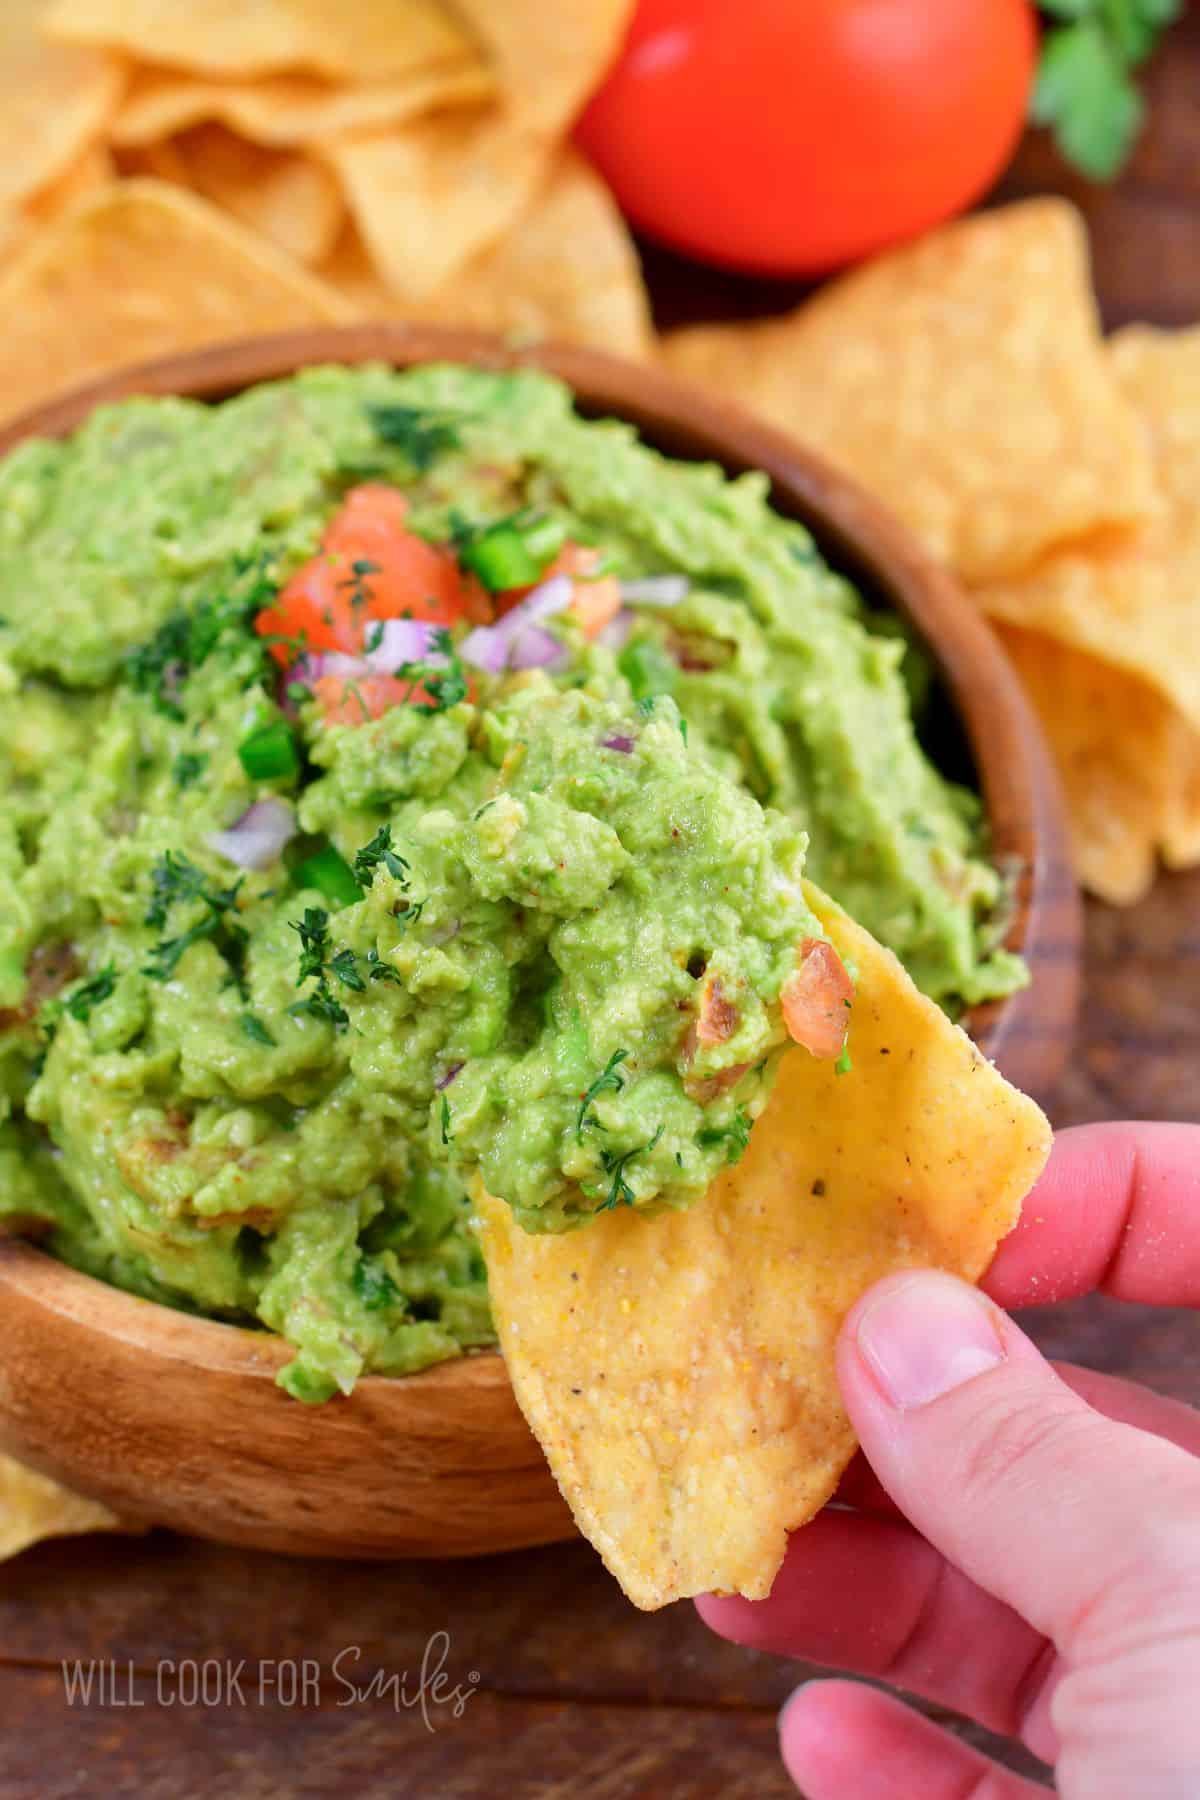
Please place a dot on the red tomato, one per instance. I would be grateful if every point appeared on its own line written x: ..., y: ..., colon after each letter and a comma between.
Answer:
x: 327, y: 607
x: 789, y: 136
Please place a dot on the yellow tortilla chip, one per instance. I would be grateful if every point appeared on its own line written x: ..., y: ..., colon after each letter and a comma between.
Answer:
x: 346, y: 38
x: 962, y: 379
x: 1134, y: 602
x: 438, y: 191
x: 33, y: 1507
x: 1181, y: 827
x: 567, y: 269
x: 679, y: 1370
x: 54, y: 101
x: 292, y: 111
x: 290, y: 198
x: 1118, y: 748
x: 135, y: 270
x: 91, y: 169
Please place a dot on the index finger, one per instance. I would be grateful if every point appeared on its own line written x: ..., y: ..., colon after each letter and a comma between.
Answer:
x: 1116, y: 1211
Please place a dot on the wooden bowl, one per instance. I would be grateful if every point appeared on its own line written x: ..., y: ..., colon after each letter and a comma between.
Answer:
x: 177, y: 1420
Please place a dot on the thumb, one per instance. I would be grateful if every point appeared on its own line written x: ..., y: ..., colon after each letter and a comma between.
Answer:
x: 1073, y: 1519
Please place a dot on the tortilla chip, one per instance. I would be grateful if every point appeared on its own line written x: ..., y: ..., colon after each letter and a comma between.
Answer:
x: 679, y: 1370
x: 135, y: 270
x: 1116, y: 743
x: 33, y: 1507
x: 290, y: 198
x: 292, y: 111
x: 440, y: 190
x: 91, y: 169
x: 1134, y: 602
x: 223, y: 37
x: 1181, y: 827
x: 54, y: 101
x: 962, y: 379
x: 567, y: 269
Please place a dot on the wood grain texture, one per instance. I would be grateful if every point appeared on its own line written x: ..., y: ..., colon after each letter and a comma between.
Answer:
x: 550, y: 1623
x: 123, y: 1400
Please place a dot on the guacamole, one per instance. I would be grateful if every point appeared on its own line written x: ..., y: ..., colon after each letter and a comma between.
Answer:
x: 404, y: 781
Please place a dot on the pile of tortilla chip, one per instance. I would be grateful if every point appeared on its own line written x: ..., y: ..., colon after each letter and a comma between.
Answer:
x: 965, y: 380
x: 173, y: 175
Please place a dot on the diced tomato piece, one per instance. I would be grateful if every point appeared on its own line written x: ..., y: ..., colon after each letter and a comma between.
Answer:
x: 596, y: 604
x: 718, y: 1017
x: 344, y: 702
x: 327, y: 605
x: 816, y: 999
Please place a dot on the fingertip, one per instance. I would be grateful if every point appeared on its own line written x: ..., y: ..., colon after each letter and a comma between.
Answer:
x: 819, y: 1737
x: 730, y: 1616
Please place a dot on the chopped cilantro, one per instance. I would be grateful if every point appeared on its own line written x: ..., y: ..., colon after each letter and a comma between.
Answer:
x: 187, y: 638
x: 79, y: 1001
x: 843, y: 1065
x: 620, y: 1192
x: 378, y: 970
x: 374, y: 1286
x: 318, y: 964
x: 445, y: 1120
x: 380, y: 850
x: 255, y: 1030
x: 420, y: 433
x: 610, y: 1080
x: 188, y: 767
x: 345, y: 966
x: 735, y: 1136
x: 175, y: 881
x: 356, y: 586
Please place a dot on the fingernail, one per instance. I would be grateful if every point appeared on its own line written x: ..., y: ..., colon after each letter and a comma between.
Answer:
x: 927, y: 1335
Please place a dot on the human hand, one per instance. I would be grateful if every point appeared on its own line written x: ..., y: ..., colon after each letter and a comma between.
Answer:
x: 1045, y: 1575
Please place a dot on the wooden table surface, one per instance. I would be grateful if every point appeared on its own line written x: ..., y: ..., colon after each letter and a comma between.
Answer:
x: 562, y: 1688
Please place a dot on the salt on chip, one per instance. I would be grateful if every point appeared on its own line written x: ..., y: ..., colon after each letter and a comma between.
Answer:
x: 287, y: 196
x: 679, y: 1370
x: 54, y: 101
x: 337, y: 38
x: 566, y: 269
x: 1118, y: 746
x: 32, y: 1507
x: 292, y: 111
x: 962, y: 378
x: 140, y: 269
x: 438, y: 191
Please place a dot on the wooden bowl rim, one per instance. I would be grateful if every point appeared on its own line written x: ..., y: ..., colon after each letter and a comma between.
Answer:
x: 1015, y: 776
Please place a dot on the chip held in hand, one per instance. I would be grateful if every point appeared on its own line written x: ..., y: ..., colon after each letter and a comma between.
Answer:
x: 679, y: 1370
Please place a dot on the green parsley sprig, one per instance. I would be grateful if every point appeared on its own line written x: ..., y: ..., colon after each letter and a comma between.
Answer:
x: 1085, y: 91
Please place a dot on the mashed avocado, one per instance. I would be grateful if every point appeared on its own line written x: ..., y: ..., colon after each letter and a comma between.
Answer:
x: 531, y: 921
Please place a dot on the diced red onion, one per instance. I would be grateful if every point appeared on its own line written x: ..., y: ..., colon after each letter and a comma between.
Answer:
x: 656, y: 590
x: 496, y: 647
x: 618, y: 741
x: 403, y: 641
x: 443, y: 1081
x: 615, y: 635
x: 256, y: 840
x: 336, y: 662
x: 537, y: 649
